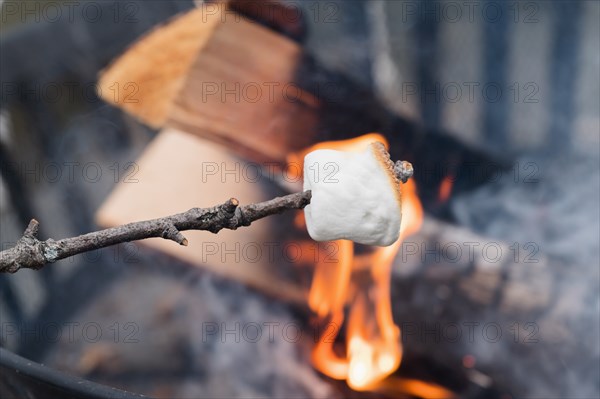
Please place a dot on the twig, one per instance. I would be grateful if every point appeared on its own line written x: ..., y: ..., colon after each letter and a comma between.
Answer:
x: 31, y: 253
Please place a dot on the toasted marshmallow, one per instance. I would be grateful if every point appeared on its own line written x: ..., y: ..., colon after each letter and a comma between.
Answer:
x: 355, y: 196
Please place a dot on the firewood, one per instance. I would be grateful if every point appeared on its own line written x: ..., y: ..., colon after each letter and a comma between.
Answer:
x: 181, y: 74
x: 180, y: 171
x: 215, y: 74
x: 485, y: 273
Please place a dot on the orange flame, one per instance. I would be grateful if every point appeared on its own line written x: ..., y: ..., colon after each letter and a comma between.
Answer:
x: 445, y: 189
x: 418, y: 388
x: 373, y: 349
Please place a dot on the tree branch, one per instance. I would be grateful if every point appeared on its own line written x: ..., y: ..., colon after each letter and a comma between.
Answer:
x: 31, y: 253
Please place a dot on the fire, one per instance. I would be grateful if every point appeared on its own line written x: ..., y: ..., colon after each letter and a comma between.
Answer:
x: 445, y: 189
x: 395, y: 386
x: 361, y: 284
x: 295, y: 160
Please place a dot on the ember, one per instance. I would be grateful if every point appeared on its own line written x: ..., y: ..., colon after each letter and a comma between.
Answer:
x: 445, y: 189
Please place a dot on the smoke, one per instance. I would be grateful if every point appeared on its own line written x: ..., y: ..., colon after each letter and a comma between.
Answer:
x: 248, y: 346
x: 551, y: 202
x: 555, y: 206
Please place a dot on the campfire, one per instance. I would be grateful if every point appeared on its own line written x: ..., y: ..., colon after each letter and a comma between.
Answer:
x: 254, y: 190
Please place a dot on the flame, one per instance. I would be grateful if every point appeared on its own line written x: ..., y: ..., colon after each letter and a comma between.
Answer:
x: 295, y: 160
x: 445, y: 189
x: 330, y: 282
x: 373, y: 350
x: 394, y: 386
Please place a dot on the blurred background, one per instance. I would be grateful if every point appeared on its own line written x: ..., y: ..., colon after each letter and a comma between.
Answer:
x: 511, y: 87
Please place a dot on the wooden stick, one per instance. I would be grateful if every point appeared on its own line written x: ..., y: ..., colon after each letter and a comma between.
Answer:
x: 31, y: 253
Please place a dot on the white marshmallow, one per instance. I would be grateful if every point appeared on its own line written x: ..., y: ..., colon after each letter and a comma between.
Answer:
x: 355, y: 196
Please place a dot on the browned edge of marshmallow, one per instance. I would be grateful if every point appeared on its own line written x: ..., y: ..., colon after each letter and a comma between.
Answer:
x: 383, y: 157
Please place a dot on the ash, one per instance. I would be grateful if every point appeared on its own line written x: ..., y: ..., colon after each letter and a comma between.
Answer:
x: 276, y: 365
x: 188, y: 334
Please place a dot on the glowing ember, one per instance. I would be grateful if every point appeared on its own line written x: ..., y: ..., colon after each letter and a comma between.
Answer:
x: 427, y: 390
x: 373, y: 349
x: 445, y: 189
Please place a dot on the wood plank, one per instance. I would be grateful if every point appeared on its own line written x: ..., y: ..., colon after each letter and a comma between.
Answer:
x: 147, y: 77
x: 216, y: 74
x: 242, y: 92
x: 170, y: 180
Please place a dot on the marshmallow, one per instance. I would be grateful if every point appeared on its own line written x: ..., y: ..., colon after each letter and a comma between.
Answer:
x: 355, y: 196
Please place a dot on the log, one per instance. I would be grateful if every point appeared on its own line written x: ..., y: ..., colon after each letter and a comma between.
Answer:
x: 166, y: 81
x: 173, y: 174
x: 197, y: 74
x: 485, y: 272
